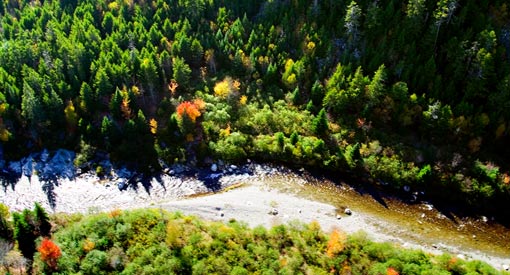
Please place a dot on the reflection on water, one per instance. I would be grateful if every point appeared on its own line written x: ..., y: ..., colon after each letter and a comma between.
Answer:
x: 420, y: 223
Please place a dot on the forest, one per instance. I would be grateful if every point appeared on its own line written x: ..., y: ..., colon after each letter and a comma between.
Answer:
x: 152, y: 241
x: 402, y: 93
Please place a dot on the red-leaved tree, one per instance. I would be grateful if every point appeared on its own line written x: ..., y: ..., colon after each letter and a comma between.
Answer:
x: 49, y: 253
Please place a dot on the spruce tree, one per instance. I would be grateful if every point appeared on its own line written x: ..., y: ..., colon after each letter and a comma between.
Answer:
x: 42, y: 221
x: 320, y: 123
x: 24, y: 233
x: 6, y: 232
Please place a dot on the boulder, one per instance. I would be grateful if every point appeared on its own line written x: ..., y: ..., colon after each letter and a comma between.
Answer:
x: 214, y: 167
x: 347, y: 211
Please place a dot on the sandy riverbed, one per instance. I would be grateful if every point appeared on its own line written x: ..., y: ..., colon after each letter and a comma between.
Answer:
x: 250, y: 202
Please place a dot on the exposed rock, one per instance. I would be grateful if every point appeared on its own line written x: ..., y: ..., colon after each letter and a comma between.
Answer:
x: 407, y: 188
x: 428, y: 206
x: 273, y: 211
x: 347, y: 211
x: 214, y: 167
x: 506, y: 267
x: 338, y: 217
x: 122, y: 184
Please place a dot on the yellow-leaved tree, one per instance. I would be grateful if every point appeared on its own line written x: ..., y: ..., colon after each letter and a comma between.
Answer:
x: 336, y: 243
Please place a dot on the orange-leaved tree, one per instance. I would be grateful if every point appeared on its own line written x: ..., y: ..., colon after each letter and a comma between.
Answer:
x: 187, y: 114
x: 188, y: 109
x: 49, y: 253
x: 391, y: 271
x: 336, y: 243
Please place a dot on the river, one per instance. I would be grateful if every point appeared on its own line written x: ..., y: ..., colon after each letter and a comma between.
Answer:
x: 256, y: 189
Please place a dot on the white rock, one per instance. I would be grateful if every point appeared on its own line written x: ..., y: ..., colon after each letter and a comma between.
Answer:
x: 214, y: 167
x: 505, y: 267
x: 338, y: 217
x: 348, y: 211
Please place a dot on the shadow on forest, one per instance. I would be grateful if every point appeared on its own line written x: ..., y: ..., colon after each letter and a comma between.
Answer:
x: 9, y: 179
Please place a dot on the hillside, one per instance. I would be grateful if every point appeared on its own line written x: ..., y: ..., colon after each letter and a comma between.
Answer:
x: 409, y: 93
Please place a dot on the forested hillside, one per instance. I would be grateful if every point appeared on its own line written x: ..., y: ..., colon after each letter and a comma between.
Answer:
x: 404, y: 92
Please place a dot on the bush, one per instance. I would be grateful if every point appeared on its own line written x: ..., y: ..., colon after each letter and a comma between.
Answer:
x: 94, y: 263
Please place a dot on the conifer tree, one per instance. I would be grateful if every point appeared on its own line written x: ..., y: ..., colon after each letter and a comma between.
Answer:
x: 320, y: 123
x: 6, y: 231
x: 42, y: 221
x: 24, y: 233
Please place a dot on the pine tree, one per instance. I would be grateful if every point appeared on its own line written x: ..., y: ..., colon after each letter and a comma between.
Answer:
x: 320, y: 123
x: 6, y: 231
x: 102, y: 83
x: 182, y: 72
x: 42, y: 221
x: 353, y: 23
x: 31, y: 105
x: 24, y: 233
x: 87, y: 98
x: 376, y: 87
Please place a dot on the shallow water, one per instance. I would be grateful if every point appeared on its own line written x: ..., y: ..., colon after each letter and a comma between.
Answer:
x: 420, y: 223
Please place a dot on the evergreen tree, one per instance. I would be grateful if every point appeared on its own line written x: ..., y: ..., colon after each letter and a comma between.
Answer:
x: 182, y: 72
x: 102, y: 84
x: 6, y: 231
x: 42, y: 221
x: 87, y: 98
x: 376, y: 88
x: 24, y: 233
x: 353, y: 23
x: 320, y: 123
x: 31, y: 106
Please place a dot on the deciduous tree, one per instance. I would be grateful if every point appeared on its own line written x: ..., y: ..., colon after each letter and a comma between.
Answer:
x: 49, y: 253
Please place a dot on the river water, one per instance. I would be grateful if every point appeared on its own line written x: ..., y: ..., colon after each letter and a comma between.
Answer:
x: 419, y: 223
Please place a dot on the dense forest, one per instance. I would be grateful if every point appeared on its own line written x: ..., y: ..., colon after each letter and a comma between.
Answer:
x: 152, y: 241
x: 412, y: 93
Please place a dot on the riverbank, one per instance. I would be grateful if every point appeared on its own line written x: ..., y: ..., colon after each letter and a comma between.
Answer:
x: 259, y: 191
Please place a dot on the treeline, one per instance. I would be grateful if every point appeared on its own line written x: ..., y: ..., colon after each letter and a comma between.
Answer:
x: 409, y: 92
x: 156, y: 242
